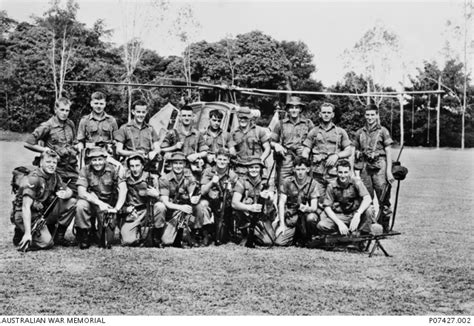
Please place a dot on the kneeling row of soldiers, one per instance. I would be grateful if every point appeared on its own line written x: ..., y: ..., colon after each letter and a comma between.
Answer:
x: 318, y: 192
x: 202, y: 212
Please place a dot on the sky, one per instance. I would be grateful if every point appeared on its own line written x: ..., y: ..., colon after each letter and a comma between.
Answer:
x: 328, y: 28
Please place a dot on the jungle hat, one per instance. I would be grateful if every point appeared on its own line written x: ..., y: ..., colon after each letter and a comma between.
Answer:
x: 177, y: 156
x: 244, y: 112
x: 136, y: 156
x: 252, y: 160
x: 295, y: 100
x: 97, y: 152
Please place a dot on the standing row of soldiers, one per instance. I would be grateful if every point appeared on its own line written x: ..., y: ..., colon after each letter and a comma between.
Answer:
x: 318, y: 189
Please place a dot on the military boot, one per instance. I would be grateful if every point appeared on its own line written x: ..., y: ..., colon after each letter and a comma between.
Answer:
x: 17, y: 236
x: 59, y: 238
x: 156, y: 234
x: 207, y: 235
x: 82, y: 236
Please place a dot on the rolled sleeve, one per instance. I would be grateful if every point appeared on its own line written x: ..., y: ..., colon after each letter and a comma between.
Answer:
x: 345, y: 141
x: 361, y: 188
x: 119, y: 135
x: 82, y: 180
x: 239, y: 187
x: 329, y: 198
x: 275, y: 134
x: 164, y: 187
x: 81, y: 135
x: 309, y: 141
x: 387, y: 140
x: 264, y: 135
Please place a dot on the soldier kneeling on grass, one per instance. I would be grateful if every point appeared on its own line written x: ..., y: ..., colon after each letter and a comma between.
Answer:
x: 37, y: 191
x: 180, y: 194
x: 102, y: 191
x: 347, y: 205
x: 142, y: 190
x: 298, y: 205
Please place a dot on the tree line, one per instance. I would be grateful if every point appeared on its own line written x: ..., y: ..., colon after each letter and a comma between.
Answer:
x: 31, y: 52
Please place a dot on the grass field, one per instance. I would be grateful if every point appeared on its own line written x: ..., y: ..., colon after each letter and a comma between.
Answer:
x: 430, y: 271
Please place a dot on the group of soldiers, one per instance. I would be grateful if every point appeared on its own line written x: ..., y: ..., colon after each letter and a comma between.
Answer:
x: 195, y: 188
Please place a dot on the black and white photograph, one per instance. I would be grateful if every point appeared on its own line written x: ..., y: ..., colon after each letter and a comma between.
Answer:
x: 230, y: 158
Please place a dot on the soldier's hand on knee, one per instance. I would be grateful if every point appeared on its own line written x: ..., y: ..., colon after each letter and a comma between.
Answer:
x: 61, y: 194
x: 343, y: 229
x: 355, y: 222
x: 194, y: 199
x: 187, y: 209
x: 103, y: 207
x: 255, y: 208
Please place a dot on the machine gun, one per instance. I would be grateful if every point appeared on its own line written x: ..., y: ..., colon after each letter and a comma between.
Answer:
x: 40, y: 222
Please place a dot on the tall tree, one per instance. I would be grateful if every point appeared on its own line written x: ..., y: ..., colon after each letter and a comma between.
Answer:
x: 373, y: 57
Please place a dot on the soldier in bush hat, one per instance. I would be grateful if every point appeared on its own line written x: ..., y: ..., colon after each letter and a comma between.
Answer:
x: 288, y: 136
x: 97, y: 188
x: 249, y: 139
x: 373, y: 146
x: 180, y: 194
x: 245, y: 196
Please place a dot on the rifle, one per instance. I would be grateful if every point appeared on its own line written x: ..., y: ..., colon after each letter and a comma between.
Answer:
x: 40, y: 222
x: 148, y: 225
x: 220, y: 223
x: 106, y: 230
x: 255, y: 217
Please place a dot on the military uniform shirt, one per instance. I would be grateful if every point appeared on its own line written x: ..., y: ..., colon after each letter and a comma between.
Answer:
x: 249, y: 143
x: 215, y: 143
x: 209, y: 173
x: 291, y: 134
x: 327, y: 141
x: 103, y: 183
x: 55, y: 135
x: 135, y: 138
x: 295, y: 192
x: 193, y: 142
x: 137, y: 187
x: 249, y: 188
x: 92, y: 130
x: 372, y: 140
x: 178, y: 191
x: 345, y: 198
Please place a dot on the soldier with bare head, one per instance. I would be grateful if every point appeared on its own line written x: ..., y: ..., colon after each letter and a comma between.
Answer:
x: 325, y: 145
x: 58, y: 134
x: 37, y: 191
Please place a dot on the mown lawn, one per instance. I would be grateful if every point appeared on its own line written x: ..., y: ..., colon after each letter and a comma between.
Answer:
x: 430, y: 271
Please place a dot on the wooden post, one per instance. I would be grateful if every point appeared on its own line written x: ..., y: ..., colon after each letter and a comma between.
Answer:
x: 402, y: 132
x: 438, y: 111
